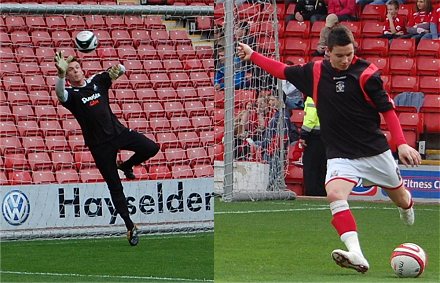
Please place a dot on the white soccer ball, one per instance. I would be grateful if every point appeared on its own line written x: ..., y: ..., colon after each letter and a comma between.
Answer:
x: 408, y: 260
x: 86, y: 41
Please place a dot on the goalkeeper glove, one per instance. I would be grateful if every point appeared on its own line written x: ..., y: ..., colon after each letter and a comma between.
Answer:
x: 116, y: 71
x: 62, y: 63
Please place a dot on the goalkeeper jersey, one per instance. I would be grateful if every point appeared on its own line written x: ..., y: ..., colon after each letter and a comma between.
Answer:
x: 348, y: 104
x: 90, y: 106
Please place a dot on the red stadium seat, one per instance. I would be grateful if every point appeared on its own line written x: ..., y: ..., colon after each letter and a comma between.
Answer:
x: 174, y: 109
x: 16, y: 161
x: 167, y: 140
x: 400, y: 83
x: 18, y: 97
x: 297, y: 29
x: 41, y: 38
x: 64, y: 113
x: 27, y: 68
x: 5, y: 40
x: 203, y: 170
x: 62, y: 159
x: 431, y: 104
x: 125, y: 95
x: 147, y: 52
x: 198, y: 155
x: 158, y: 159
x: 153, y: 22
x: 354, y: 27
x: 41, y: 97
x: 153, y: 66
x: 160, y: 80
x: 90, y: 175
x: 186, y: 93
x: 374, y: 12
x: 10, y: 145
x: 138, y: 124
x: 35, y: 23
x: 23, y: 112
x: 179, y: 37
x: 176, y: 155
x: 374, y: 46
x: 121, y: 37
x: 180, y: 123
x: 403, y: 46
x: 297, y: 117
x: 107, y: 53
x: 218, y: 152
x: 401, y: 65
x: 429, y: 84
x: 204, y: 23
x: 146, y: 94
x: 28, y: 128
x: 372, y: 28
x: 200, y: 79
x: 316, y: 28
x: 67, y: 176
x: 205, y: 92
x: 8, y: 128
x: 7, y: 54
x: 405, y: 10
x: 159, y: 172
x: 180, y: 80
x: 194, y: 108
x: 160, y: 37
x: 56, y: 142
x: 6, y: 113
x: 83, y: 159
x: 19, y: 177
x: 201, y: 123
x: 20, y: 37
x: 33, y: 143
x: 76, y: 142
x: 188, y: 139
x: 12, y: 83
x: 172, y: 65
x: 181, y: 171
x: 45, y: 53
x: 61, y: 38
x: 95, y: 22
x: 132, y: 110
x: 297, y: 46
x: 71, y: 126
x: 206, y: 137
x: 75, y: 23
x: 43, y: 177
x: 204, y: 52
x: 159, y: 124
x: 133, y: 22
x: 153, y: 109
x: 412, y: 122
x: 428, y: 66
x: 39, y: 161
x: 431, y: 123
x: 381, y: 63
x: 429, y: 47
x: 185, y: 52
x: 45, y: 112
x: 140, y: 36
x: 56, y: 22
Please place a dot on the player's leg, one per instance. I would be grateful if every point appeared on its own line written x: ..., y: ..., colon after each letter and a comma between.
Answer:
x: 105, y: 156
x: 143, y: 148
x: 403, y: 199
x: 340, y: 181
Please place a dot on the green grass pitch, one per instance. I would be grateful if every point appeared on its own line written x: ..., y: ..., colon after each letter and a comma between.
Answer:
x: 291, y: 241
x: 166, y: 258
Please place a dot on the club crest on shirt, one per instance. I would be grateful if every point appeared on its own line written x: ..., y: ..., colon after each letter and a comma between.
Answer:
x: 334, y: 173
x: 95, y: 88
x: 340, y: 86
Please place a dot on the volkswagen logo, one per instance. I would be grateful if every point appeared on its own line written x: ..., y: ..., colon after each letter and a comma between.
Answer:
x: 15, y: 207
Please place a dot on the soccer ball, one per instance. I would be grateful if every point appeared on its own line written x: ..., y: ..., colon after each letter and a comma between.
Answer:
x: 86, y: 41
x: 408, y: 260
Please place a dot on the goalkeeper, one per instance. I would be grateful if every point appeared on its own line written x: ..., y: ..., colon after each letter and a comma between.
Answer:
x: 104, y: 135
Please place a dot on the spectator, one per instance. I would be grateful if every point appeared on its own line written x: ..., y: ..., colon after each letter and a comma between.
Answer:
x: 314, y: 159
x: 309, y: 10
x: 330, y: 22
x: 394, y: 24
x: 419, y: 22
x: 243, y: 130
x: 376, y: 2
x: 434, y: 26
x: 293, y: 98
x: 344, y: 9
x: 219, y: 77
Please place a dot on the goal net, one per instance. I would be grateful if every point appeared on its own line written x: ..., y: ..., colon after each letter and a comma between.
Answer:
x: 252, y: 128
x: 50, y: 185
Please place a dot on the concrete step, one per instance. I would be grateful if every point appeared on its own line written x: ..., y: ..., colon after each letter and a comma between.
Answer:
x: 433, y: 154
x: 431, y: 162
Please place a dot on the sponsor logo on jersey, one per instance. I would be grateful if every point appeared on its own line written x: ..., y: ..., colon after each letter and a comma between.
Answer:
x: 93, y: 99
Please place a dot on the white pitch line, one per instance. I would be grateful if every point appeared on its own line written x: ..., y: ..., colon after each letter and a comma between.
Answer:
x: 105, y: 276
x: 309, y: 209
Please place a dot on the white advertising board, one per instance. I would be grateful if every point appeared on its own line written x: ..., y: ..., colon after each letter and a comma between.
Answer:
x: 165, y: 205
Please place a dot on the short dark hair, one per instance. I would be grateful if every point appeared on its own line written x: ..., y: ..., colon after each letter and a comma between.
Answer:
x: 339, y: 36
x: 394, y: 3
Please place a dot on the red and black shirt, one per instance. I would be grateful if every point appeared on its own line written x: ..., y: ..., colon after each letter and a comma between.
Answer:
x: 348, y: 104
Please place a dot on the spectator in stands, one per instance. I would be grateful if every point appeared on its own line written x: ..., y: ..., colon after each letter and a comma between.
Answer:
x: 243, y: 129
x: 239, y: 75
x: 394, y: 24
x: 314, y: 159
x: 434, y: 26
x: 331, y: 21
x: 376, y: 2
x: 293, y: 98
x: 344, y: 9
x: 88, y: 101
x: 419, y: 22
x: 309, y: 10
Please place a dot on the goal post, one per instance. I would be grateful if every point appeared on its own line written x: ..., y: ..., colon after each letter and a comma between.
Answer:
x: 242, y: 170
x: 50, y: 186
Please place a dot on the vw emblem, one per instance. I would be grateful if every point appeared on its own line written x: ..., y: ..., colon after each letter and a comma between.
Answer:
x: 15, y: 207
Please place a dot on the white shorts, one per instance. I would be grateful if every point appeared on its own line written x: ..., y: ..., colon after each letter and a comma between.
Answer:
x: 381, y: 170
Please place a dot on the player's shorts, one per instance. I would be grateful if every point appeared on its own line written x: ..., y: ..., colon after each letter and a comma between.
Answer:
x: 381, y: 170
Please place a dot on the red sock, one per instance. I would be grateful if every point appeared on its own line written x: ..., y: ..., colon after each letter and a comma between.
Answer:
x: 343, y: 222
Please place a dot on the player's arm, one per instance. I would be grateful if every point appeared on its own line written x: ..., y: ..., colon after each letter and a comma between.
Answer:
x: 61, y: 64
x: 271, y: 66
x: 116, y: 71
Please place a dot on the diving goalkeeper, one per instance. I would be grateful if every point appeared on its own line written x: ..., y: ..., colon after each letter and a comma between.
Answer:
x: 104, y: 135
